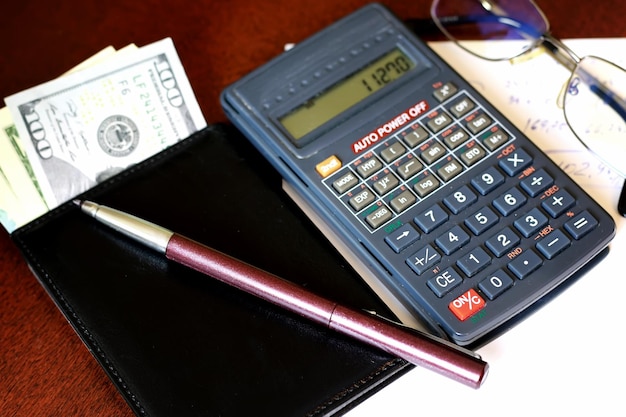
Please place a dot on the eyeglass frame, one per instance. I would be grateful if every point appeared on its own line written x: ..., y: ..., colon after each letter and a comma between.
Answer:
x: 561, y: 52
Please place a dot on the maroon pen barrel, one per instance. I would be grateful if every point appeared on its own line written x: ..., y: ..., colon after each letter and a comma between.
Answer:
x: 415, y: 347
x: 250, y: 279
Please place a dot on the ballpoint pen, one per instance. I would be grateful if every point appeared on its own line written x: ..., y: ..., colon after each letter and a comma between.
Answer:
x: 415, y: 347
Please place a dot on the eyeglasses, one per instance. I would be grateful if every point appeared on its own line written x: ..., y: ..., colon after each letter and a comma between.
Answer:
x: 594, y: 99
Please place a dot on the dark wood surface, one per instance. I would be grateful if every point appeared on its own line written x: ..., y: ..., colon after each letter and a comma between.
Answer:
x: 45, y: 370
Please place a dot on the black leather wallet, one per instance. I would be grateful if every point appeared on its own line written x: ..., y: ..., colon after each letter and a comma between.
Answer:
x: 177, y: 343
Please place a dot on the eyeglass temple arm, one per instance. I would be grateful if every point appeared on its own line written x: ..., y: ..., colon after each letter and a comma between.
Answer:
x: 607, y: 95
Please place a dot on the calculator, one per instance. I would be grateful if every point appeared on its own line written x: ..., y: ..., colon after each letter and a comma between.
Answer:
x: 454, y: 212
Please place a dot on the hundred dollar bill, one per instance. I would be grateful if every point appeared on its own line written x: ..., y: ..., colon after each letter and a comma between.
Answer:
x: 10, y: 213
x: 21, y: 198
x: 87, y: 126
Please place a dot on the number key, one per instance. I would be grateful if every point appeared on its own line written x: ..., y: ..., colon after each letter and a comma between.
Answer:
x: 510, y: 201
x: 474, y: 261
x: 431, y: 218
x: 502, y: 242
x: 482, y: 220
x: 531, y: 222
x: 452, y: 240
x: 496, y: 284
x: 488, y: 181
x: 460, y: 199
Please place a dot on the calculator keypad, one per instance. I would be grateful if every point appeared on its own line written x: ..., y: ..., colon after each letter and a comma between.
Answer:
x: 450, y: 139
x: 487, y: 232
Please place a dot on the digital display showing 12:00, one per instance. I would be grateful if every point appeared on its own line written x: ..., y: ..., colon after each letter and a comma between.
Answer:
x: 346, y: 93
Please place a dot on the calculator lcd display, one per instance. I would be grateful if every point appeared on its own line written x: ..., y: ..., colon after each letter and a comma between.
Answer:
x: 346, y: 93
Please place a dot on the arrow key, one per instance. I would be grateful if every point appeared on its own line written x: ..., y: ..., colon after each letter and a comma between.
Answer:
x: 402, y: 237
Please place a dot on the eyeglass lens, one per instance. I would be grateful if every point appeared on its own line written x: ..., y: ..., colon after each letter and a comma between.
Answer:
x: 594, y: 109
x: 469, y: 21
x: 595, y: 100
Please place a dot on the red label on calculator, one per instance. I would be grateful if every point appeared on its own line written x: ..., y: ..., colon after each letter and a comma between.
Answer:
x: 466, y: 305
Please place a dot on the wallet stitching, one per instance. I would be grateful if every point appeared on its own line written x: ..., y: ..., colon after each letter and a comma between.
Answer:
x: 58, y: 294
x: 355, y: 386
x: 78, y: 323
x: 81, y: 328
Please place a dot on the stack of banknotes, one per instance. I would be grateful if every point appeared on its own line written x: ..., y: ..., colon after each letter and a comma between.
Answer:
x: 112, y: 111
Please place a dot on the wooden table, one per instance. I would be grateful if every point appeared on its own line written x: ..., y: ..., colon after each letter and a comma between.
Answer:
x: 44, y: 367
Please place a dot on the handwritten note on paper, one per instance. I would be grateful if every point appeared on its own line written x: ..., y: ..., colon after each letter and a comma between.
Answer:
x: 527, y: 92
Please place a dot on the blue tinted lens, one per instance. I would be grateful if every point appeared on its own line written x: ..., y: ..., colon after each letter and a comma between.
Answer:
x: 469, y: 22
x: 595, y: 109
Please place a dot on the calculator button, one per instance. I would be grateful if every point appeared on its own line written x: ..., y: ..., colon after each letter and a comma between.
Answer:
x: 328, y: 166
x: 393, y: 152
x: 482, y: 220
x: 426, y: 185
x: 466, y: 305
x: 461, y: 106
x: 416, y: 136
x: 537, y: 182
x: 452, y: 240
x: 496, y: 139
x: 496, y: 284
x: 580, y: 225
x: 438, y: 121
x: 403, y: 201
x: 369, y: 167
x: 488, y: 181
x: 385, y: 183
x: 510, y: 201
x: 444, y: 282
x: 553, y: 244
x: 423, y: 259
x: 409, y: 168
x: 430, y: 219
x: 378, y: 217
x: 460, y: 199
x: 479, y: 122
x: 445, y: 92
x: 432, y: 151
x: 474, y: 262
x: 346, y: 181
x: 515, y: 162
x: 525, y: 263
x: 531, y: 222
x: 402, y: 237
x: 450, y: 170
x: 502, y: 242
x: 472, y: 153
x: 362, y: 199
x: 558, y: 203
x: 453, y: 138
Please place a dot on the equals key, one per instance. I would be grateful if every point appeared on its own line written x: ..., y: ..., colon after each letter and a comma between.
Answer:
x: 581, y: 224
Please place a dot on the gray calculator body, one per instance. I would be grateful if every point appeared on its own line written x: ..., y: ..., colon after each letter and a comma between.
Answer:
x: 453, y: 210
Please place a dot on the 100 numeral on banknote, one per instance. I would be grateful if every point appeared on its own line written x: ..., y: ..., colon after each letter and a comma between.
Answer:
x: 81, y: 129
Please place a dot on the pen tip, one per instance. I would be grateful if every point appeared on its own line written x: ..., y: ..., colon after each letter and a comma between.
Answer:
x: 77, y: 202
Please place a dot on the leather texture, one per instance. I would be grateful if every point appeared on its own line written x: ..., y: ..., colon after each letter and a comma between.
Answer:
x: 176, y: 343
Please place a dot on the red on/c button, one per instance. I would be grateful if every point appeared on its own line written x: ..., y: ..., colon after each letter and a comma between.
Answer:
x: 467, y: 304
